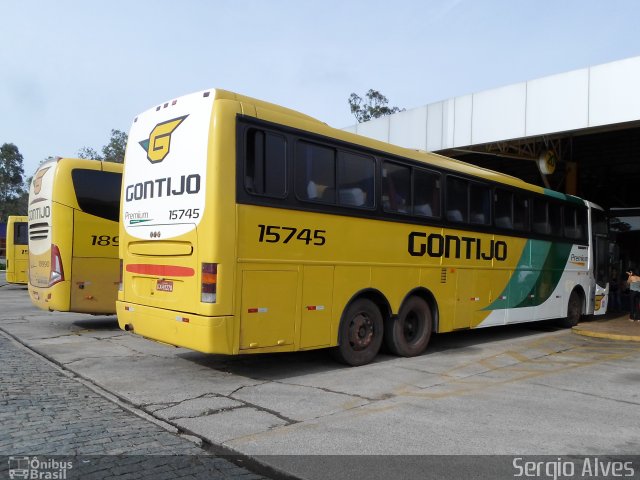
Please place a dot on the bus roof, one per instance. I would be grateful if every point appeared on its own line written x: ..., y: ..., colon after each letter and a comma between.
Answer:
x: 428, y: 158
x: 286, y: 116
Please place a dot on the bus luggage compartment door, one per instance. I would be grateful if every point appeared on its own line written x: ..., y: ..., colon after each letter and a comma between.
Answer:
x: 94, y: 285
x: 268, y: 308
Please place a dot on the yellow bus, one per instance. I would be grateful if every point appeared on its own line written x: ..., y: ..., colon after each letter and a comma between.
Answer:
x: 74, y: 206
x: 17, y: 250
x: 248, y: 228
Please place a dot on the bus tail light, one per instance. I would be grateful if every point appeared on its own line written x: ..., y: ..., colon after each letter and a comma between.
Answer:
x: 209, y: 282
x: 57, y: 272
x: 120, y: 288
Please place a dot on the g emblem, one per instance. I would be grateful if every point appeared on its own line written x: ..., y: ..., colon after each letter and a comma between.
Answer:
x: 158, y: 144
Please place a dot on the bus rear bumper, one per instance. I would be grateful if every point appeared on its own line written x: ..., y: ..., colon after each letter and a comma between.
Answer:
x: 196, y: 332
x: 55, y: 298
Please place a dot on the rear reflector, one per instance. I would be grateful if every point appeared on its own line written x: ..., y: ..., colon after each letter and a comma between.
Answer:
x: 209, y: 282
x: 120, y: 287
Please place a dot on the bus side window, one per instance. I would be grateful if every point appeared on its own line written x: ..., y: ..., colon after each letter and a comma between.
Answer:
x: 520, y: 213
x: 265, y: 164
x: 315, y: 172
x: 540, y: 219
x: 555, y: 219
x: 457, y: 200
x: 480, y: 204
x: 575, y: 222
x: 426, y: 193
x: 582, y: 224
x: 570, y: 224
x: 396, y: 187
x: 355, y: 180
x: 503, y: 208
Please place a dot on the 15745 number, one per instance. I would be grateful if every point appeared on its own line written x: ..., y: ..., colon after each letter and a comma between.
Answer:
x: 181, y: 213
x: 275, y: 234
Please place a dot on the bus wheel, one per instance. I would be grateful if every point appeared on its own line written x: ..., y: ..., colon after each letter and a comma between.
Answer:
x: 409, y: 332
x: 574, y: 311
x: 361, y: 331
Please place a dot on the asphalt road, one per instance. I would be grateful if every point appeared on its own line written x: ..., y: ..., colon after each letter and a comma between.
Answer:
x: 520, y: 390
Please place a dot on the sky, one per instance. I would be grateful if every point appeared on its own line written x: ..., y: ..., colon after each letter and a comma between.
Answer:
x: 70, y: 71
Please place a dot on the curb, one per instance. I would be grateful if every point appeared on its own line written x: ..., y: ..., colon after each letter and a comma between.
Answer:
x: 610, y: 336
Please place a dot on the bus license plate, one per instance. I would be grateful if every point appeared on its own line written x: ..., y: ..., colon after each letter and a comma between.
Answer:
x: 164, y: 285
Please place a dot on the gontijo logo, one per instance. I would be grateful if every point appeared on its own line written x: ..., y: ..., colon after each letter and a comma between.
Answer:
x: 159, y: 141
x: 37, y: 180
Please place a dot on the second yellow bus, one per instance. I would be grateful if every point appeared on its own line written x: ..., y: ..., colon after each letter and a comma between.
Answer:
x: 73, y: 235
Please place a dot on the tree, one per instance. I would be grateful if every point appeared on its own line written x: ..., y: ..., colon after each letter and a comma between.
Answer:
x: 88, y: 153
x: 12, y: 188
x: 374, y: 106
x: 111, y: 152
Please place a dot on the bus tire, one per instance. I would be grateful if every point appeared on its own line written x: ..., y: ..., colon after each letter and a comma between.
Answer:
x: 360, y: 334
x: 574, y: 311
x: 408, y: 333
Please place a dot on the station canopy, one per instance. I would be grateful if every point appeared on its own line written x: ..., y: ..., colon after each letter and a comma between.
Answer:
x: 584, y: 124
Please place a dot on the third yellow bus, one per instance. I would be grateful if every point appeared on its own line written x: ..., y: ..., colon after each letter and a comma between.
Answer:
x: 17, y: 250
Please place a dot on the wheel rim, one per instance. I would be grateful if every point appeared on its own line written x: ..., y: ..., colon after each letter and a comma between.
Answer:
x: 361, y: 331
x: 411, y: 327
x: 574, y: 308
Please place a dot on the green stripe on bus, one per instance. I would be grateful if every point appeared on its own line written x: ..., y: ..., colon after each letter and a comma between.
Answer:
x: 562, y: 196
x: 536, y: 276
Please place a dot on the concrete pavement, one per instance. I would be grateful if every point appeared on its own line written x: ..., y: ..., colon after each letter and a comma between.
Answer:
x: 74, y: 429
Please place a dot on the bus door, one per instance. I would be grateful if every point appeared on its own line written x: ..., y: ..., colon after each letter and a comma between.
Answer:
x: 600, y: 295
x: 600, y: 244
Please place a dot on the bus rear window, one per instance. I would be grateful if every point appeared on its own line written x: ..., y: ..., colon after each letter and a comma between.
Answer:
x: 98, y: 192
x: 20, y: 233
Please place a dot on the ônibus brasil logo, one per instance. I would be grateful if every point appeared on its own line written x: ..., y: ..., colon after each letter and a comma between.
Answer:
x: 159, y: 141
